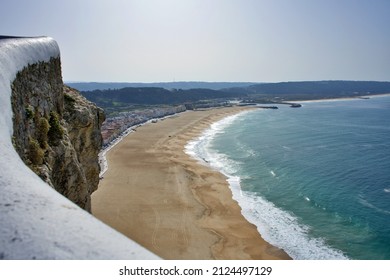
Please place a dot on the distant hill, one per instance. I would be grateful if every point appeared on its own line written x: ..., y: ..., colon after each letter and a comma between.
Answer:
x: 89, y: 86
x: 153, y: 96
x: 260, y: 93
x: 313, y: 90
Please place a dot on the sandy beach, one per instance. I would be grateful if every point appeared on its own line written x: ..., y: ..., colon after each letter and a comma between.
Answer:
x: 166, y: 201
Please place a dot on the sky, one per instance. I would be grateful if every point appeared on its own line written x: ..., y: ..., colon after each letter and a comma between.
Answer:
x: 210, y: 40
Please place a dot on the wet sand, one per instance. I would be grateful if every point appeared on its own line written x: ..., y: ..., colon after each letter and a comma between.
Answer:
x: 171, y: 204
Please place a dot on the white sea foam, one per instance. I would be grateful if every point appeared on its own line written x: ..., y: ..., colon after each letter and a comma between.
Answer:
x: 276, y: 226
x: 283, y: 229
x: 199, y: 148
x: 367, y: 204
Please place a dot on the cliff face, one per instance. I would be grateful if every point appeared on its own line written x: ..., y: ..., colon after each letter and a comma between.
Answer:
x: 36, y: 221
x: 57, y: 131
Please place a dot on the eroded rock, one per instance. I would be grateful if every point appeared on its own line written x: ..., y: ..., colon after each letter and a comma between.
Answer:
x: 57, y: 131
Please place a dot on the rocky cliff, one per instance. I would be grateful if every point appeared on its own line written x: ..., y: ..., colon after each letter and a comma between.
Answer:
x: 57, y: 131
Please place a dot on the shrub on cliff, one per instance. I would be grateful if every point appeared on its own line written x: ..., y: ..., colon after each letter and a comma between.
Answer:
x: 29, y: 112
x: 69, y: 99
x: 35, y: 153
x: 43, y: 128
x: 55, y: 132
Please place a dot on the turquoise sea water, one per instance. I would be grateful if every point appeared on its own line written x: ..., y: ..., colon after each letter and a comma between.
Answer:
x: 315, y: 179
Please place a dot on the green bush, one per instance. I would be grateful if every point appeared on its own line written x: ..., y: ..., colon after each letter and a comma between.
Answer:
x: 35, y: 153
x: 55, y: 132
x: 29, y: 113
x: 43, y: 128
x: 69, y: 98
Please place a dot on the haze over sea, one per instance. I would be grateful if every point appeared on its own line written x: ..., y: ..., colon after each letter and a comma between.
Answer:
x: 315, y: 179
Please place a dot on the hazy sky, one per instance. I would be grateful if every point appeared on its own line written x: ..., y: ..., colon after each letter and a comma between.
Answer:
x: 210, y: 40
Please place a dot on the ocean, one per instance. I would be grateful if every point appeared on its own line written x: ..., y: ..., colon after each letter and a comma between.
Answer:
x: 315, y: 180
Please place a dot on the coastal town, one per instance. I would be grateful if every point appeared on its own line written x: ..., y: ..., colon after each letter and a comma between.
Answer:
x: 114, y: 127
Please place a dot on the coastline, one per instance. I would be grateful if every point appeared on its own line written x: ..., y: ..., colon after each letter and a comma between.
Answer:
x: 102, y: 154
x: 360, y: 97
x: 167, y: 201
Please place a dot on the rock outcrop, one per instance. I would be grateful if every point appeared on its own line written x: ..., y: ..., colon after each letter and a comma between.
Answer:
x: 57, y: 131
x: 37, y: 222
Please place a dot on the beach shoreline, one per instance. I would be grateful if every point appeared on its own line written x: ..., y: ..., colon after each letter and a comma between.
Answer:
x: 162, y: 198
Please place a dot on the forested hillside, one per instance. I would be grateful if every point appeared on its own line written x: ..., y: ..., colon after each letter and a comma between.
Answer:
x: 264, y: 92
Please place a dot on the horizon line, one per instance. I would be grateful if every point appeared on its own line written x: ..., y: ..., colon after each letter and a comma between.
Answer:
x: 228, y: 82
